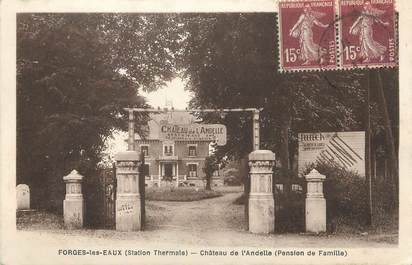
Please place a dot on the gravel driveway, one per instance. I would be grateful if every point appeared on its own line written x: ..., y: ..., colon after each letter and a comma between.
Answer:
x: 188, y: 226
x: 218, y: 222
x: 211, y: 222
x: 210, y: 215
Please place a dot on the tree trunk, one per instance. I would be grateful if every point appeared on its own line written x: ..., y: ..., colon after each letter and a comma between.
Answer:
x: 284, y: 144
x: 246, y: 186
x: 208, y: 187
x: 390, y: 143
x: 368, y: 170
x: 285, y: 159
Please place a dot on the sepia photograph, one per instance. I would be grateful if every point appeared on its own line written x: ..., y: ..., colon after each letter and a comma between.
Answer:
x: 207, y: 137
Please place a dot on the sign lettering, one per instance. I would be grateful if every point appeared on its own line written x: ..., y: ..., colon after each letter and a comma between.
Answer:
x: 193, y: 132
x: 341, y: 149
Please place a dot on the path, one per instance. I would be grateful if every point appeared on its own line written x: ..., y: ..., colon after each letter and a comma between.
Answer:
x: 210, y: 215
x: 218, y: 222
x: 212, y: 222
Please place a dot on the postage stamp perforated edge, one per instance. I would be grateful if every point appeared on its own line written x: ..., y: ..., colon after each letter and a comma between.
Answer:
x: 342, y: 66
x: 281, y: 68
x: 338, y: 44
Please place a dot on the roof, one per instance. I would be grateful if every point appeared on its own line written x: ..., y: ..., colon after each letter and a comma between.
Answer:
x: 153, y: 128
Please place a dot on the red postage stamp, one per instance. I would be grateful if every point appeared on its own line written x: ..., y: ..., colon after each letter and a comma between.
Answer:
x: 307, y: 35
x: 367, y: 33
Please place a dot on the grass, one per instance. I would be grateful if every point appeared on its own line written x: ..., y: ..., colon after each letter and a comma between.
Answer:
x: 180, y: 194
x: 35, y: 220
x: 384, y: 228
x: 158, y: 213
x: 228, y: 189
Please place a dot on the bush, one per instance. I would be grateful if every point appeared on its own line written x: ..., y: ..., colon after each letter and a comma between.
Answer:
x: 383, y: 198
x: 346, y: 196
x: 231, y: 181
x: 289, y: 204
x: 290, y: 211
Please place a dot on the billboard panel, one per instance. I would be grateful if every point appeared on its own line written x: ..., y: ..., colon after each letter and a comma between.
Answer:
x: 342, y: 149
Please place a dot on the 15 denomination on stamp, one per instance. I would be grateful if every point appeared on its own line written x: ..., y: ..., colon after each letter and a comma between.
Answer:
x: 307, y: 35
x: 367, y: 33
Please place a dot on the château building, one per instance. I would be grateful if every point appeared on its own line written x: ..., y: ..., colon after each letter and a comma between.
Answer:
x: 180, y: 162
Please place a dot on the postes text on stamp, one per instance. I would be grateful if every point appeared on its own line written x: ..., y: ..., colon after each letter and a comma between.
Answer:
x: 367, y: 33
x: 307, y: 35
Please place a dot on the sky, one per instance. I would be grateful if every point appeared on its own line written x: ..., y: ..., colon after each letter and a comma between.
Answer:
x: 174, y: 91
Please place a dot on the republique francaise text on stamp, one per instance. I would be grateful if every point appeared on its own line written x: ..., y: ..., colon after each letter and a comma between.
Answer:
x: 308, y: 38
x: 367, y: 33
x: 307, y: 35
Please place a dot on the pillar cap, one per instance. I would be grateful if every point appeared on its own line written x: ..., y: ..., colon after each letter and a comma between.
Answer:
x: 315, y: 175
x: 127, y: 156
x: 262, y: 155
x: 73, y: 176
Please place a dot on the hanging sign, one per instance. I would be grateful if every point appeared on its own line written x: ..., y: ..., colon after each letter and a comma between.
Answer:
x: 193, y: 132
x: 342, y: 149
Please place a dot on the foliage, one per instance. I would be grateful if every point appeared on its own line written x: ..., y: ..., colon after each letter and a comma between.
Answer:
x: 75, y: 74
x: 211, y: 165
x: 289, y: 203
x: 232, y: 180
x: 230, y: 61
x: 235, y: 172
x: 38, y: 220
x: 346, y: 195
x: 289, y: 211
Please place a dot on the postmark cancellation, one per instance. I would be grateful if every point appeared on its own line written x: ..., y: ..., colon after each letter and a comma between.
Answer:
x: 367, y: 33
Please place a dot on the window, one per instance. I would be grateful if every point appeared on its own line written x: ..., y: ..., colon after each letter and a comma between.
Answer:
x: 192, y: 151
x: 144, y: 149
x: 192, y: 170
x: 297, y: 187
x: 168, y: 150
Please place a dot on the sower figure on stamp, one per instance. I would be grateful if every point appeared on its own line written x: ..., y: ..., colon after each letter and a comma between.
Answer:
x: 369, y: 48
x: 309, y: 50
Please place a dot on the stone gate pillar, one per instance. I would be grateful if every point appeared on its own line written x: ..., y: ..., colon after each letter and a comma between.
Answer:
x: 128, y: 201
x: 315, y: 203
x: 261, y: 202
x: 73, y: 206
x: 23, y: 197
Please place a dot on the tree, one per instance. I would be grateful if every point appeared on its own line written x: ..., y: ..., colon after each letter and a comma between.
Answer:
x: 75, y: 74
x: 231, y: 60
x: 211, y: 165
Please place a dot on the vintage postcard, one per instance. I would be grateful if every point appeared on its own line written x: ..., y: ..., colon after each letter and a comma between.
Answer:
x: 193, y: 132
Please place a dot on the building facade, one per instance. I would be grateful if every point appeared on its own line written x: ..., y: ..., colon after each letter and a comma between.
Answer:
x: 176, y: 162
